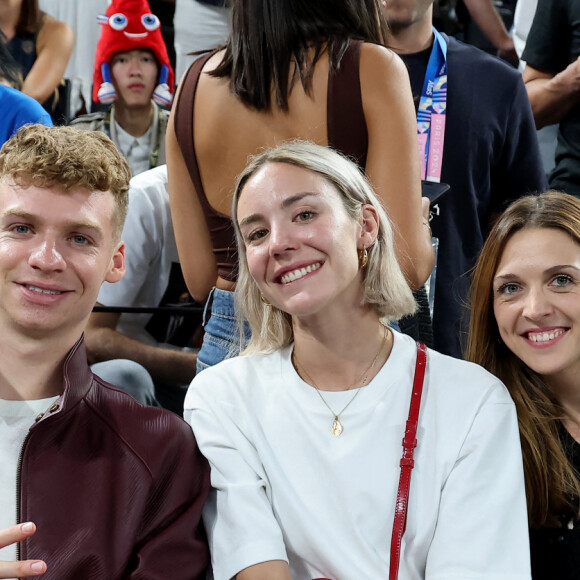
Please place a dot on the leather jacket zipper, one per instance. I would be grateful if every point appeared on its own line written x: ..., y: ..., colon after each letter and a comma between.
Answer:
x: 19, y: 477
x: 18, y: 483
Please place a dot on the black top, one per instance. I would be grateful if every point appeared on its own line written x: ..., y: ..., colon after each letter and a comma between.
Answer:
x: 220, y: 3
x: 490, y: 158
x: 556, y: 551
x: 553, y: 44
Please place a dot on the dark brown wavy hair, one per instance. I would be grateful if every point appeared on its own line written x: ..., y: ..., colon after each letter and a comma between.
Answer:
x: 30, y: 17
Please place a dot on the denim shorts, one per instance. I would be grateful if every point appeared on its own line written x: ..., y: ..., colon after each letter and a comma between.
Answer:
x: 221, y: 336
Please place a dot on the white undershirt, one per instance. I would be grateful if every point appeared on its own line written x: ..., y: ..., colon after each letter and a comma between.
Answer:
x: 136, y: 150
x: 16, y: 418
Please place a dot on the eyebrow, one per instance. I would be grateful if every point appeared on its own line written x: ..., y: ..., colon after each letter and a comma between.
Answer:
x: 549, y: 271
x: 29, y: 217
x: 289, y: 201
x: 505, y: 277
x: 555, y: 269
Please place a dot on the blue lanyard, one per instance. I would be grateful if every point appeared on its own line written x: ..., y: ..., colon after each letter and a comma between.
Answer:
x: 432, y: 112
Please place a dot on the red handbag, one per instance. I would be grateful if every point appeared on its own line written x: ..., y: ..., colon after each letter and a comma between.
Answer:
x: 407, y: 463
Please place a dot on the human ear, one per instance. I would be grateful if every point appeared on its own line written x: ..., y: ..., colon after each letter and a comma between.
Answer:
x: 117, y: 265
x: 369, y: 226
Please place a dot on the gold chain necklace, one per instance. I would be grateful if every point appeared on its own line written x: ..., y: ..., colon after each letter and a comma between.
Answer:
x: 337, y: 427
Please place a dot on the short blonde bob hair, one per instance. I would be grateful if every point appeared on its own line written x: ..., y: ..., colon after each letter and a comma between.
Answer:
x: 385, y: 289
x: 69, y: 159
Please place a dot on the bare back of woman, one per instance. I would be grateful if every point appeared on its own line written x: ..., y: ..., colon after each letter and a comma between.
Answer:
x: 227, y: 131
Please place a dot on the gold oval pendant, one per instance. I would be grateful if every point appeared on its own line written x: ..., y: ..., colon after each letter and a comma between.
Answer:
x: 336, y: 427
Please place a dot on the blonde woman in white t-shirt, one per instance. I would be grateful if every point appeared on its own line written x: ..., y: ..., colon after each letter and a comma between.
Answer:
x: 303, y: 431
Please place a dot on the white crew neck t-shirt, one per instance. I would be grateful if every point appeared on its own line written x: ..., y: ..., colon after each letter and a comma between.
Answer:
x: 285, y: 488
x: 16, y: 418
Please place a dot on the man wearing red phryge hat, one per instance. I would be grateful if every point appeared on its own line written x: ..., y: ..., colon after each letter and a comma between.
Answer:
x: 133, y: 73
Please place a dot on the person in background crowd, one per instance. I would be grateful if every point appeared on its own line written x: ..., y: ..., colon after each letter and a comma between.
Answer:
x: 133, y: 75
x: 118, y: 343
x: 552, y: 56
x: 548, y: 135
x: 486, y: 25
x: 17, y: 108
x: 114, y: 488
x: 326, y: 77
x: 80, y: 16
x: 481, y: 123
x: 525, y: 330
x: 42, y: 47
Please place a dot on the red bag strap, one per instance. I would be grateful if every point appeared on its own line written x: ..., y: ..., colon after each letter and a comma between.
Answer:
x: 407, y: 462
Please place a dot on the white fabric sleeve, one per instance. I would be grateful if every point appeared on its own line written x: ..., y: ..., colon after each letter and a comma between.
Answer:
x: 241, y: 526
x: 143, y: 242
x: 483, y: 497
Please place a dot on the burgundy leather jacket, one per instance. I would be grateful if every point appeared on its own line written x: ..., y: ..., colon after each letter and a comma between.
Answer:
x: 116, y: 489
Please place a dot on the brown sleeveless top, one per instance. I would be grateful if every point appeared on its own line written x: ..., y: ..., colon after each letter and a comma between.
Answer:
x: 346, y: 129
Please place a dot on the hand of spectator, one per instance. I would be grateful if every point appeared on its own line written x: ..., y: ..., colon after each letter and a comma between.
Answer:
x: 508, y: 52
x: 552, y: 95
x: 23, y: 569
x: 569, y: 78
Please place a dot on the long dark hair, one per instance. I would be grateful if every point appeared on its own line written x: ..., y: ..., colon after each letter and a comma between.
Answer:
x: 9, y: 68
x: 552, y: 484
x: 271, y: 39
x: 30, y: 17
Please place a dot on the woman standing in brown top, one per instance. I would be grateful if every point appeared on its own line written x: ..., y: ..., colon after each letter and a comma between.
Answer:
x: 291, y: 69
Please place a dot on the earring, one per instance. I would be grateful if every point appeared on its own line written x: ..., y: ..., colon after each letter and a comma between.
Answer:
x: 264, y: 300
x: 363, y: 257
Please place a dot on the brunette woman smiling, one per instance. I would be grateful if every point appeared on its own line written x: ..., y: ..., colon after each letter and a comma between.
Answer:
x: 525, y: 328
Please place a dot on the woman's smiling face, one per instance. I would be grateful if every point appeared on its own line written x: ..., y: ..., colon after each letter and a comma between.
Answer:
x: 536, y: 299
x: 301, y: 245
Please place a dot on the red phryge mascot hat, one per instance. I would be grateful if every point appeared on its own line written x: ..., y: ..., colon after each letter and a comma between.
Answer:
x: 130, y: 25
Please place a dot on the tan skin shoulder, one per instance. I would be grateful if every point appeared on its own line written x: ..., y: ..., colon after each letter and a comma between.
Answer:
x: 393, y: 79
x: 379, y: 55
x: 55, y: 34
x: 51, y: 27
